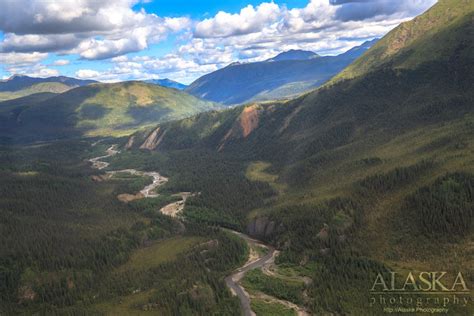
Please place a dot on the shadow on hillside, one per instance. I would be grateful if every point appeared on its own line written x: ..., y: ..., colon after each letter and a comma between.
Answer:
x: 53, y: 118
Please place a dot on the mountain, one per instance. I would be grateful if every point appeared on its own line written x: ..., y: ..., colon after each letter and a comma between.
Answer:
x: 294, y: 54
x: 20, y: 86
x: 287, y: 74
x: 95, y: 110
x: 347, y: 181
x: 168, y: 83
x: 18, y: 82
x: 435, y: 35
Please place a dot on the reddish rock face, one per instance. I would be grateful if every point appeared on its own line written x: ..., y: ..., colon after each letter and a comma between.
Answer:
x: 244, y: 126
x: 249, y: 120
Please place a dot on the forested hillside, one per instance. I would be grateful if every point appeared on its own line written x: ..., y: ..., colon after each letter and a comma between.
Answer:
x: 70, y: 247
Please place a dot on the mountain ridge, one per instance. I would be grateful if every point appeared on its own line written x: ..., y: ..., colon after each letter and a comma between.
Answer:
x: 270, y: 80
x: 294, y: 54
x: 20, y: 85
x: 18, y: 82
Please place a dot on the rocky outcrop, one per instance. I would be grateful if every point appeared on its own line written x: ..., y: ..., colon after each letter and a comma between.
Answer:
x: 249, y: 120
x: 246, y: 123
x: 130, y: 142
x: 154, y: 139
x: 261, y: 227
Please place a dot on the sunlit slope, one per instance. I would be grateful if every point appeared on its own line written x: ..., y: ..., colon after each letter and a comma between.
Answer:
x: 445, y: 32
x: 44, y: 87
x: 101, y: 110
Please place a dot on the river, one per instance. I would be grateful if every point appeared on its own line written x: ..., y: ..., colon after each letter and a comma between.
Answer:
x: 173, y: 209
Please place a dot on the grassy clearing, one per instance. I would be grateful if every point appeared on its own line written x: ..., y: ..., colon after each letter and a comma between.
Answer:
x: 158, y: 253
x: 256, y: 171
x: 126, y: 305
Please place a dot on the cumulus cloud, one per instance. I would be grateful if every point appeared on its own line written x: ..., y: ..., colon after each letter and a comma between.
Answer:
x: 93, y: 29
x: 26, y: 64
x: 249, y: 20
x: 21, y: 59
x: 38, y: 43
x: 87, y: 74
x: 171, y: 66
x: 40, y: 71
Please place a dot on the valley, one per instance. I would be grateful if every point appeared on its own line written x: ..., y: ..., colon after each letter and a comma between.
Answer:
x: 286, y: 183
x: 257, y: 259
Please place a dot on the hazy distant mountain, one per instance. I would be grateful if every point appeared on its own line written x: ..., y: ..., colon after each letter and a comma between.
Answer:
x: 20, y: 86
x: 18, y: 82
x: 287, y: 74
x: 168, y: 83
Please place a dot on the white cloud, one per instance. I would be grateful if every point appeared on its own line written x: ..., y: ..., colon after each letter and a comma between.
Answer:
x: 87, y: 74
x: 21, y: 59
x: 249, y: 20
x: 93, y: 29
x: 36, y: 70
x: 43, y: 72
x: 61, y: 62
x: 38, y: 43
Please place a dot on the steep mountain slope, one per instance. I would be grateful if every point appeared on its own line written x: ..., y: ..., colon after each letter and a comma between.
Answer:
x: 287, y: 75
x: 438, y: 34
x: 20, y: 86
x: 370, y: 175
x: 96, y: 110
x: 168, y: 83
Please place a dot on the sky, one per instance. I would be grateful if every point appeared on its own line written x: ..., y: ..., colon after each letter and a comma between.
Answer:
x: 115, y: 40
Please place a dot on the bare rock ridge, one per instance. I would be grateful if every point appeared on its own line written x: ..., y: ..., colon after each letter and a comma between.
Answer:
x: 244, y: 126
x: 261, y: 227
x: 154, y: 139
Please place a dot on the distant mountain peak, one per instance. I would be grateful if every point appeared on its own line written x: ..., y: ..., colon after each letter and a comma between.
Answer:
x: 294, y: 54
x: 235, y: 63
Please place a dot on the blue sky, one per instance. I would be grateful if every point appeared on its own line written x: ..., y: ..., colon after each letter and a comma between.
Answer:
x: 113, y: 40
x: 205, y: 8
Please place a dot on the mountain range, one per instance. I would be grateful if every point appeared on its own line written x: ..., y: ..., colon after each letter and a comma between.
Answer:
x: 283, y: 76
x: 37, y: 108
